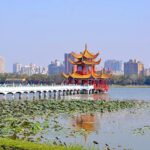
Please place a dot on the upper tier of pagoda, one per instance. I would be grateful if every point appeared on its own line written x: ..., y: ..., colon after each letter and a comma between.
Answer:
x: 84, y: 54
x: 84, y: 57
x: 86, y: 61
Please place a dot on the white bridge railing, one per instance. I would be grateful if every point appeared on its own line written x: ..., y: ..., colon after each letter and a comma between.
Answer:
x: 56, y: 89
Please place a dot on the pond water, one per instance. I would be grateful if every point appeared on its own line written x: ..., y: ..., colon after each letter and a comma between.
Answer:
x: 117, y: 94
x: 124, y: 129
x: 128, y: 129
x: 130, y: 93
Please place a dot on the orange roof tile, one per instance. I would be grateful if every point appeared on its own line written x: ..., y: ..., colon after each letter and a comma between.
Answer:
x: 87, y: 76
x: 85, y: 54
x: 85, y: 62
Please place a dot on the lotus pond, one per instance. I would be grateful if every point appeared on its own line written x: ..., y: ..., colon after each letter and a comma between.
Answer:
x: 92, y: 124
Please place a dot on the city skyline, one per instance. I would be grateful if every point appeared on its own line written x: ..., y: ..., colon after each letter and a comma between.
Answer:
x: 63, y: 62
x: 116, y: 67
x: 38, y: 32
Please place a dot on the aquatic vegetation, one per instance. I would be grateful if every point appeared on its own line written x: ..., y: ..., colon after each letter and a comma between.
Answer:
x: 28, y: 120
x: 47, y: 107
x: 141, y: 131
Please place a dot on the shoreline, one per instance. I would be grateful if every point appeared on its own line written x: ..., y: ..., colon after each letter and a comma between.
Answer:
x: 129, y: 86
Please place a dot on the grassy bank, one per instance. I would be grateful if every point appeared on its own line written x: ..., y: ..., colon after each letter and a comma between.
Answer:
x: 9, y: 144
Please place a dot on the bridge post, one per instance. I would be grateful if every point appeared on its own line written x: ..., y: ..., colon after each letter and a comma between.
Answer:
x: 34, y: 95
x: 55, y: 93
x: 28, y: 96
x: 93, y: 91
x: 4, y: 96
x: 73, y: 92
x: 59, y: 93
x: 90, y: 91
x: 45, y: 94
x: 13, y: 96
x: 49, y: 94
x: 40, y: 95
x: 67, y: 92
x: 64, y: 92
x: 20, y: 96
x: 70, y: 92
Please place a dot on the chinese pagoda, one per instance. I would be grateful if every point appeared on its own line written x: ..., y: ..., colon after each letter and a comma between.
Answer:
x: 84, y: 71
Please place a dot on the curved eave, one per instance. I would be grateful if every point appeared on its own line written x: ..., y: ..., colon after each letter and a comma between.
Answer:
x: 85, y: 54
x: 75, y: 62
x: 84, y: 62
x: 96, y: 76
x: 88, y: 54
x: 77, y: 56
x: 76, y: 76
x: 79, y: 76
x: 101, y: 76
x: 106, y: 76
x: 93, y: 62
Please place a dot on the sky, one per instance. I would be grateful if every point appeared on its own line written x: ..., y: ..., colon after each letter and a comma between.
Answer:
x: 40, y: 31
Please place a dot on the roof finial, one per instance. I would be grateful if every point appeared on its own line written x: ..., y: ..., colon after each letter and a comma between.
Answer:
x: 85, y: 46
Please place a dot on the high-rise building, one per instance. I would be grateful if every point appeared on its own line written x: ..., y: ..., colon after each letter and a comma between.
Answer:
x: 17, y: 68
x: 2, y: 65
x: 68, y: 65
x: 115, y: 66
x: 55, y: 68
x: 26, y: 70
x: 147, y: 72
x: 44, y: 70
x: 133, y: 67
x: 29, y: 69
x: 57, y: 62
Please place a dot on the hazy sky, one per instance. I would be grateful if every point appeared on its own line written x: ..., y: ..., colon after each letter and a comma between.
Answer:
x: 39, y: 31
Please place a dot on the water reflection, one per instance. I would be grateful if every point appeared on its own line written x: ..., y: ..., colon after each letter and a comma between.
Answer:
x: 86, y: 122
x: 116, y: 128
x: 90, y: 123
x: 101, y: 96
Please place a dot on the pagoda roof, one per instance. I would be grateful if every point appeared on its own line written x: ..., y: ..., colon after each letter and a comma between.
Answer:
x: 77, y: 56
x: 85, y: 54
x: 93, y: 62
x: 102, y: 75
x: 76, y: 75
x: 87, y: 76
x: 80, y: 76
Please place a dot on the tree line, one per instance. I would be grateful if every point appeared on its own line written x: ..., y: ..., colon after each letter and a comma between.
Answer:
x: 130, y: 80
x: 58, y: 79
x: 34, y: 79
